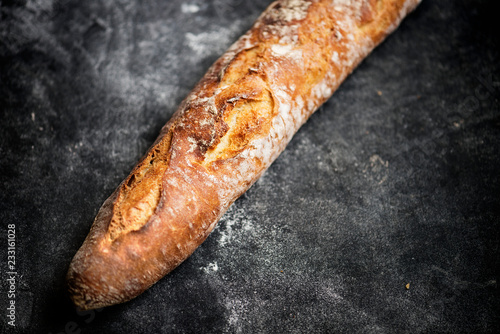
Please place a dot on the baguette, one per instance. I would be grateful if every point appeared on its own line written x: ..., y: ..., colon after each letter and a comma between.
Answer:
x: 225, y: 134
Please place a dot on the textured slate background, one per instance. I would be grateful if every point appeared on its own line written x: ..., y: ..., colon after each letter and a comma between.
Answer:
x: 395, y: 180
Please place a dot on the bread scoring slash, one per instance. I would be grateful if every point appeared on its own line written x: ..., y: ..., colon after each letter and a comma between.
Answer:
x: 225, y: 134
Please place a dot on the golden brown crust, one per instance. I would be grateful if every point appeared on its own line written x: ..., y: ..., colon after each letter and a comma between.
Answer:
x: 231, y: 127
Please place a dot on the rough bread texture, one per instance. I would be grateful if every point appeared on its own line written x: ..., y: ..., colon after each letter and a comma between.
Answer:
x: 225, y: 134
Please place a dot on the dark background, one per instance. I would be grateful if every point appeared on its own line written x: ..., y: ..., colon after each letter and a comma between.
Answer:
x: 395, y: 180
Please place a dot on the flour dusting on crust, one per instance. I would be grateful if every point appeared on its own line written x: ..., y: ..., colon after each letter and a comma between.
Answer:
x: 289, y: 10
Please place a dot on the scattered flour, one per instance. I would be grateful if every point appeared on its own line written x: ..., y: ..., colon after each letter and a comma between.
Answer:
x: 232, y: 217
x: 235, y: 308
x: 211, y: 267
x: 190, y: 8
x: 213, y: 42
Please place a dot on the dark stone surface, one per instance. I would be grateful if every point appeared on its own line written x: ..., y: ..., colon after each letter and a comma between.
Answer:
x: 395, y: 180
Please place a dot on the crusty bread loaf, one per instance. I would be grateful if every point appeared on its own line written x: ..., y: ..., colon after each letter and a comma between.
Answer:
x: 225, y: 134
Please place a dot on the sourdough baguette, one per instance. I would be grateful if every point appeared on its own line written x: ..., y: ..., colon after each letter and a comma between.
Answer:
x: 225, y: 134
